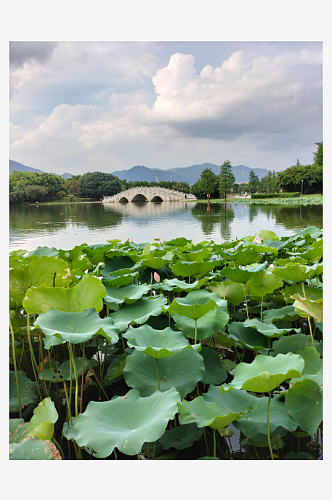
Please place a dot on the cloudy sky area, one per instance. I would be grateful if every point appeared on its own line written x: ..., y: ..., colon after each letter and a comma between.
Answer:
x: 84, y: 106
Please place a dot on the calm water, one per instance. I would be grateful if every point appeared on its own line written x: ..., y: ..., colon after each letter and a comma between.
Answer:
x: 65, y: 226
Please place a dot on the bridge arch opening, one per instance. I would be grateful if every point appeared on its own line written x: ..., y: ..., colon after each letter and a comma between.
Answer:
x: 139, y: 197
x: 123, y: 200
x: 157, y: 199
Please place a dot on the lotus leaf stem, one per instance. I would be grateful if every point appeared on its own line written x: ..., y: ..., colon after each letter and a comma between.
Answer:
x: 86, y: 359
x: 33, y: 359
x: 268, y: 426
x: 15, y: 368
x: 195, y: 331
x: 214, y: 444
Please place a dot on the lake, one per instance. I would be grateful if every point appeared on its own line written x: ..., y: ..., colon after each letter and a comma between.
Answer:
x: 64, y: 226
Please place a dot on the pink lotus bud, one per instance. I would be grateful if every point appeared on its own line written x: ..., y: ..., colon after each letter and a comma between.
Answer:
x: 156, y: 277
x: 130, y: 239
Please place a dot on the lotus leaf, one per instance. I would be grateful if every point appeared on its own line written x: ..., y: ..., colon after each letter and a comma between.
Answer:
x: 306, y: 307
x: 230, y: 290
x: 27, y: 391
x: 195, y: 305
x: 207, y: 325
x: 210, y: 413
x: 214, y: 372
x: 266, y: 373
x: 311, y: 292
x: 254, y: 425
x: 304, y: 401
x: 76, y: 327
x: 313, y: 368
x: 198, y: 256
x: 181, y: 370
x: 115, y: 369
x: 269, y: 330
x: 179, y: 285
x: 286, y: 313
x: 247, y: 337
x: 46, y: 251
x: 294, y: 272
x: 263, y: 283
x: 184, y: 268
x: 128, y: 294
x: 265, y: 234
x: 62, y: 372
x: 34, y: 449
x: 311, y: 231
x: 126, y: 422
x: 42, y: 423
x: 116, y: 281
x: 17, y: 430
x: 293, y: 343
x: 139, y: 312
x: 49, y: 271
x: 180, y: 437
x: 88, y: 293
x: 157, y: 343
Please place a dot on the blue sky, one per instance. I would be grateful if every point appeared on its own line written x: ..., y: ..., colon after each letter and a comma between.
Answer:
x: 109, y: 105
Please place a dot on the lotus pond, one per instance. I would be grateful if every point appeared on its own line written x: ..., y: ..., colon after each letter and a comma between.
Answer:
x: 168, y: 350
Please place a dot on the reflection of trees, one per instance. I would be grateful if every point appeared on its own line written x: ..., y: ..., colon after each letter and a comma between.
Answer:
x: 300, y: 216
x: 209, y: 217
x: 226, y: 218
x: 29, y: 218
x: 253, y: 211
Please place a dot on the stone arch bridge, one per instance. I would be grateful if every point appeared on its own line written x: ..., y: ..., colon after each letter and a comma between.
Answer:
x: 148, y: 194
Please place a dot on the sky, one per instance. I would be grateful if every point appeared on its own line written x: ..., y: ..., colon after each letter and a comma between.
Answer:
x: 83, y: 106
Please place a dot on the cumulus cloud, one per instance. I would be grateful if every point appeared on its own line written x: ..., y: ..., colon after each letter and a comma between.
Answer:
x: 123, y: 110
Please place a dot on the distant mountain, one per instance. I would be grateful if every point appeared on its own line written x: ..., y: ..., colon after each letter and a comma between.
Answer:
x: 184, y: 174
x: 15, y: 165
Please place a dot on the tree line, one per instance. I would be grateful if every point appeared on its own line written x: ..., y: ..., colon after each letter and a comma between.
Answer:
x: 28, y: 187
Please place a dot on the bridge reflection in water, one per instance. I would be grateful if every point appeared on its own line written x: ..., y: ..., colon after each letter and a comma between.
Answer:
x: 143, y: 208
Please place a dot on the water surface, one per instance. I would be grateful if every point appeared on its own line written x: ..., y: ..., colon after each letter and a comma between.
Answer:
x: 65, y: 226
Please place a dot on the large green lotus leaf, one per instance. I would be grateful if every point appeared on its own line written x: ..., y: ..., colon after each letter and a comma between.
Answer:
x: 254, y: 424
x: 17, y: 430
x: 96, y: 253
x: 293, y: 343
x: 198, y: 256
x: 214, y: 372
x: 117, y: 265
x: 46, y: 251
x: 157, y: 343
x: 60, y: 373
x: 286, y: 313
x: 42, y: 422
x: 266, y: 373
x: 311, y: 292
x: 183, y: 268
x: 139, y: 312
x: 313, y: 368
x: 249, y: 338
x: 266, y: 234
x: 76, y: 327
x: 230, y: 290
x: 212, y: 322
x: 128, y: 294
x: 32, y: 448
x: 304, y: 401
x: 306, y: 307
x: 241, y: 275
x: 88, y: 293
x: 154, y: 262
x: 115, y: 281
x: 233, y: 399
x: 49, y: 271
x: 311, y: 231
x: 126, y: 422
x: 181, y: 370
x: 262, y: 284
x: 195, y: 305
x: 312, y: 254
x: 179, y: 285
x: 269, y: 330
x: 27, y: 391
x: 209, y: 413
x: 180, y: 437
x: 293, y: 272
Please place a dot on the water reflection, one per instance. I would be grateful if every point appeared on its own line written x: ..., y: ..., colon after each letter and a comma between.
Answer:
x: 64, y: 226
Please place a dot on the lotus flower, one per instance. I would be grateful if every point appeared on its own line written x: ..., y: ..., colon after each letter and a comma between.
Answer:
x: 156, y: 277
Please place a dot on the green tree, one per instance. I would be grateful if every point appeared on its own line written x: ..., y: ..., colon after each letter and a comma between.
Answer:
x: 253, y: 182
x: 206, y: 184
x: 96, y: 185
x: 74, y: 187
x: 35, y: 193
x: 226, y: 179
x: 318, y: 156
